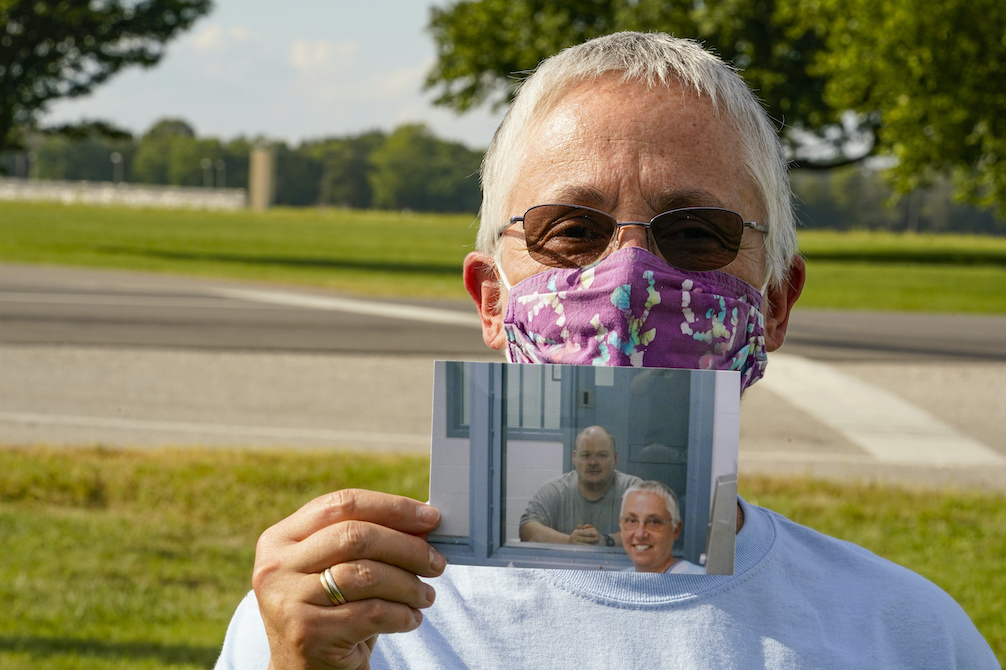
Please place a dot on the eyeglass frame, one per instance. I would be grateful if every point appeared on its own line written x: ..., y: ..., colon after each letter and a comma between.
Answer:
x: 646, y: 523
x: 648, y: 225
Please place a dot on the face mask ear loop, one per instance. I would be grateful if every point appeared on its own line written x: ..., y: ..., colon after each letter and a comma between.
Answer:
x: 499, y: 271
x: 503, y: 279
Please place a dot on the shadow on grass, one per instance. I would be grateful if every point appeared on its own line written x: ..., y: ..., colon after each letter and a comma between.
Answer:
x: 170, y: 654
x: 993, y: 257
x: 390, y: 266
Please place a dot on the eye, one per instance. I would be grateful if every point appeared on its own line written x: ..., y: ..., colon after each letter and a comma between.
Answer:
x: 577, y: 229
x: 699, y: 230
x: 567, y: 235
x: 693, y: 232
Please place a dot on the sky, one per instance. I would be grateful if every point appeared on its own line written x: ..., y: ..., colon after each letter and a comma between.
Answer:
x: 289, y: 70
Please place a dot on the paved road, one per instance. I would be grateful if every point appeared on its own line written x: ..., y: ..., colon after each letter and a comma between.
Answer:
x: 89, y: 357
x: 65, y: 306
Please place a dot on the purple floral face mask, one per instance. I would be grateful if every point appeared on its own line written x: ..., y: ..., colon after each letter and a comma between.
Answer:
x: 633, y: 309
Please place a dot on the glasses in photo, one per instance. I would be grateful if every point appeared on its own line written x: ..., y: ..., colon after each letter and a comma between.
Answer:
x: 690, y: 238
x: 651, y: 523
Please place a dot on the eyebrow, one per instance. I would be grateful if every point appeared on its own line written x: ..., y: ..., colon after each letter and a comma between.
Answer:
x: 581, y: 195
x: 664, y: 201
x: 678, y: 198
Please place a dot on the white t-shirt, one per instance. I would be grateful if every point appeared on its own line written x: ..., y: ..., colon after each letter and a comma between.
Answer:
x: 798, y: 599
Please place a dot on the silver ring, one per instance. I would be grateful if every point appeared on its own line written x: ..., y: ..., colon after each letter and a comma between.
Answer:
x: 331, y: 589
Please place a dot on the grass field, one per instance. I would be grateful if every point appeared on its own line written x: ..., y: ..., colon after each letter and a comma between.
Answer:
x: 419, y: 255
x: 136, y: 559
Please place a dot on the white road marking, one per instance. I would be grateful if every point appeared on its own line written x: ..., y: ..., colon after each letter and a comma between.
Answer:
x: 386, y: 310
x: 890, y: 429
x: 330, y: 436
x: 121, y: 300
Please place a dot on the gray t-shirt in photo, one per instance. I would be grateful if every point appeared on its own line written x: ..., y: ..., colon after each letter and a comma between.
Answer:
x: 559, y: 505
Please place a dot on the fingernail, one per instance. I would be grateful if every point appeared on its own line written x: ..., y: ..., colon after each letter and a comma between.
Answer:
x: 418, y: 616
x: 428, y: 513
x: 431, y: 594
x: 437, y: 561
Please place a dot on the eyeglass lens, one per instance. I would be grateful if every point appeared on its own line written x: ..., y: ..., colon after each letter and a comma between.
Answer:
x: 696, y: 238
x: 650, y: 523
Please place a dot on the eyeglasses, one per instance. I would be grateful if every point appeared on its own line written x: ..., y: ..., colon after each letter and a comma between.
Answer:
x: 651, y: 523
x: 691, y: 238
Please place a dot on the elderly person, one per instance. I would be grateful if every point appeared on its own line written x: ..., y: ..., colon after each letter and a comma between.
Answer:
x: 636, y: 212
x: 650, y: 522
x: 581, y: 506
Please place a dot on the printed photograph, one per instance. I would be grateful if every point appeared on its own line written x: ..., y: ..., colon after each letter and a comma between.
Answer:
x: 585, y: 467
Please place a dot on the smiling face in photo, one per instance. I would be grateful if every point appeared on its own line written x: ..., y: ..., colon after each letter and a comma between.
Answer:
x: 650, y: 543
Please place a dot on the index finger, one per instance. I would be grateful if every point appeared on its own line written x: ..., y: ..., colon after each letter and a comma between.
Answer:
x: 393, y: 511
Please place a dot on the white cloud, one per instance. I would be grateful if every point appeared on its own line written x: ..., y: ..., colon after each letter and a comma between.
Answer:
x: 210, y: 38
x: 393, y: 85
x: 321, y: 59
x: 217, y: 37
x: 240, y: 34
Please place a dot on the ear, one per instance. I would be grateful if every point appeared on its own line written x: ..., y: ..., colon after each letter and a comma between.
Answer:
x: 483, y: 286
x: 779, y: 303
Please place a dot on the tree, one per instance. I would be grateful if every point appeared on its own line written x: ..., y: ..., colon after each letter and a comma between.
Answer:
x: 482, y: 45
x: 933, y: 76
x: 298, y: 177
x: 151, y: 163
x: 345, y: 180
x: 52, y: 49
x: 415, y: 170
x: 848, y: 78
x: 70, y: 157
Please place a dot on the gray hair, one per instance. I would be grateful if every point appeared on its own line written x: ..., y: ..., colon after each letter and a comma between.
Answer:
x: 659, y: 488
x: 653, y: 59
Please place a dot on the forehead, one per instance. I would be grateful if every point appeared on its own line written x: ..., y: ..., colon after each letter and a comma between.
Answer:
x: 593, y: 442
x: 643, y: 503
x: 612, y: 144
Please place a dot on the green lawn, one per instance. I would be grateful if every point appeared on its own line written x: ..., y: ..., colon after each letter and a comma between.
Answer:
x: 886, y: 271
x: 419, y: 255
x: 136, y: 559
x: 382, y: 253
x: 129, y: 559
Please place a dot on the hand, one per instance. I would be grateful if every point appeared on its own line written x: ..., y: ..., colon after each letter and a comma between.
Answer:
x: 585, y: 534
x: 375, y: 545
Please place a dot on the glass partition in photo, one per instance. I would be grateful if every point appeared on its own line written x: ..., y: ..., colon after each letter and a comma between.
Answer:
x: 564, y: 466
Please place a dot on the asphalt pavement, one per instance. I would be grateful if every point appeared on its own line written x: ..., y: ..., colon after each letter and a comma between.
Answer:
x: 130, y: 359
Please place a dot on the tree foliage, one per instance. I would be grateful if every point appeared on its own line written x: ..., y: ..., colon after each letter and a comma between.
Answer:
x: 933, y: 74
x: 847, y: 79
x: 412, y: 169
x: 346, y: 168
x: 407, y: 169
x: 484, y: 46
x: 64, y: 48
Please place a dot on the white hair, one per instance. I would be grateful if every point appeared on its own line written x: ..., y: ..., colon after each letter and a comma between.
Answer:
x: 659, y: 488
x: 654, y: 59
